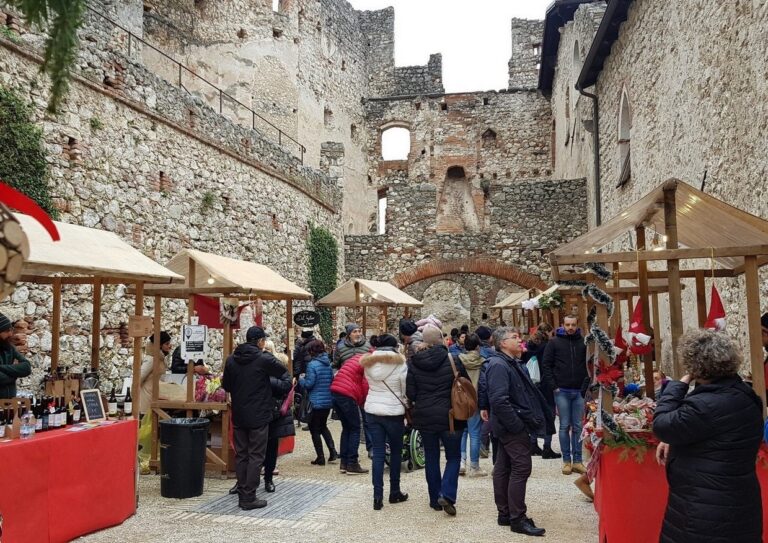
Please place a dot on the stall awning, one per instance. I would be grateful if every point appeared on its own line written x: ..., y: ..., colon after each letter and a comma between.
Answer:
x: 221, y: 275
x: 372, y: 293
x: 513, y: 301
x: 703, y: 222
x: 87, y: 252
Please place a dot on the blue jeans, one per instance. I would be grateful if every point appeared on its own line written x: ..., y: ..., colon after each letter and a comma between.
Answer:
x: 445, y: 486
x: 570, y: 409
x: 349, y: 415
x: 472, y: 431
x: 385, y: 429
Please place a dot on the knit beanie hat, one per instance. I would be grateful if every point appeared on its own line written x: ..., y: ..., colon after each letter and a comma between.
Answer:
x: 484, y: 333
x: 431, y: 320
x: 306, y: 334
x: 407, y: 328
x: 5, y: 323
x: 351, y: 327
x: 387, y: 340
x: 763, y: 320
x: 165, y: 337
x: 432, y: 335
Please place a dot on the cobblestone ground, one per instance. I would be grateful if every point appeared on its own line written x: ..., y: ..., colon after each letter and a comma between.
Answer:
x: 318, y: 504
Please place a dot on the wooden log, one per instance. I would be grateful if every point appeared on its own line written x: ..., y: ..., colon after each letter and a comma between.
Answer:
x: 56, y: 325
x: 701, y: 298
x: 752, y: 285
x: 288, y: 328
x: 96, y: 324
x: 156, y: 382
x: 137, y: 341
x: 673, y: 271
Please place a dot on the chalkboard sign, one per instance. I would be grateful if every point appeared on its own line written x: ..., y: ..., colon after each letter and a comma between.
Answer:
x: 306, y: 319
x: 94, y: 409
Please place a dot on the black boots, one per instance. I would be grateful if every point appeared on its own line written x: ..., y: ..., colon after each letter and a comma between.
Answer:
x: 319, y: 461
x: 397, y: 497
x: 526, y: 526
x: 536, y: 450
x: 378, y: 504
x: 548, y: 454
x: 333, y: 456
x: 352, y: 469
x: 269, y: 486
x: 257, y: 503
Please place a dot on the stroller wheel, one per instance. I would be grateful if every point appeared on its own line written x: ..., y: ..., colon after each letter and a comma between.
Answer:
x: 417, y: 449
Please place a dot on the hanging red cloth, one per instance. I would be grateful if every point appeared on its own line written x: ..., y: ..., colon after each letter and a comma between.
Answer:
x: 716, y: 318
x: 207, y: 309
x: 641, y: 340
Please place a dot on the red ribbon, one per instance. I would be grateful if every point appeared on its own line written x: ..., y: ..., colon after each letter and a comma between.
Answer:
x: 21, y: 202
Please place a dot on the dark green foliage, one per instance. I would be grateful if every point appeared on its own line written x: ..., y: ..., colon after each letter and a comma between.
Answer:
x: 22, y: 156
x: 323, y: 268
x: 61, y: 19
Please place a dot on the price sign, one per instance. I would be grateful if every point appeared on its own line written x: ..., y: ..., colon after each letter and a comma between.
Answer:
x: 194, y: 344
x: 306, y: 319
x: 94, y: 409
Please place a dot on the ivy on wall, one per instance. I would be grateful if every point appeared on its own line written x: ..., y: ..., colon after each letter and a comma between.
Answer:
x: 23, y: 163
x: 323, y: 269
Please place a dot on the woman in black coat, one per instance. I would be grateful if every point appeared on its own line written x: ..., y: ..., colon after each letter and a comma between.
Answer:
x: 535, y: 347
x: 710, y: 439
x: 428, y: 388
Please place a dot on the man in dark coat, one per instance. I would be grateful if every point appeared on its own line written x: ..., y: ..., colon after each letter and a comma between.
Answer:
x: 246, y: 378
x: 12, y: 363
x: 710, y: 439
x: 301, y: 355
x: 518, y: 410
x: 354, y: 343
x: 564, y: 371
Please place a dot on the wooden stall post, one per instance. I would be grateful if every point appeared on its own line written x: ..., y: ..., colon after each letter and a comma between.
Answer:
x: 642, y: 280
x: 616, y: 318
x: 701, y: 298
x: 155, y: 382
x: 191, y: 313
x: 673, y: 275
x: 288, y: 328
x: 365, y: 318
x: 384, y: 319
x: 656, y: 326
x: 96, y: 323
x: 56, y: 325
x: 136, y: 383
x: 752, y: 285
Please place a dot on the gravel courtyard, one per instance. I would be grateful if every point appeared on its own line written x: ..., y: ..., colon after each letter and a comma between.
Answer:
x: 319, y: 504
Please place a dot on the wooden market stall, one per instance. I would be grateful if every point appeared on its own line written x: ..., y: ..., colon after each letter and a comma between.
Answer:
x: 215, y: 276
x: 88, y: 468
x: 514, y: 303
x: 366, y: 293
x: 677, y: 223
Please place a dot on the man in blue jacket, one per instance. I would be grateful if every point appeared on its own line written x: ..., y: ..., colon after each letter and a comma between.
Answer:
x: 516, y: 413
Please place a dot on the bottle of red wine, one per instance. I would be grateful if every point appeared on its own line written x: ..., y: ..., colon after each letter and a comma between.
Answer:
x: 76, y: 409
x: 62, y: 412
x: 44, y: 414
x: 38, y: 412
x: 128, y: 409
x: 112, y: 403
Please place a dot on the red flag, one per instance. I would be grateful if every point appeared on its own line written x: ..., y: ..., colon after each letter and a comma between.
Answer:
x: 716, y: 317
x: 641, y: 340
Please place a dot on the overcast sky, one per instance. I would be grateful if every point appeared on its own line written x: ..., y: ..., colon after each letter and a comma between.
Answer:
x: 472, y: 35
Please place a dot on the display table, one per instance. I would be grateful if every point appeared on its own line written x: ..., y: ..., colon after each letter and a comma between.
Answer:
x: 61, y: 484
x: 631, y: 497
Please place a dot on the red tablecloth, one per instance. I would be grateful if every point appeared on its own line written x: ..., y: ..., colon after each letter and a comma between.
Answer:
x: 60, y: 485
x: 631, y: 497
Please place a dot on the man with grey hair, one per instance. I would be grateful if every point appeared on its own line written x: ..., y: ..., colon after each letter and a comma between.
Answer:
x: 518, y: 411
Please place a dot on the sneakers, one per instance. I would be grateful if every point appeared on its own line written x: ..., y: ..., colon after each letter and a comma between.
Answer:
x: 463, y: 469
x: 353, y: 469
x: 343, y: 467
x: 257, y: 503
x: 548, y: 454
x: 448, y: 505
x: 527, y: 527
x: 567, y: 468
x: 476, y: 472
x: 483, y: 451
x: 582, y: 483
x: 578, y: 467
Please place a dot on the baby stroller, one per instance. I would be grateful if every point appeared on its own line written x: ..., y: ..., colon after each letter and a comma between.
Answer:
x: 413, y: 450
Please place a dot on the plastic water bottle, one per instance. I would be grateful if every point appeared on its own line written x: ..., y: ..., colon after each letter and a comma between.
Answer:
x: 27, y: 425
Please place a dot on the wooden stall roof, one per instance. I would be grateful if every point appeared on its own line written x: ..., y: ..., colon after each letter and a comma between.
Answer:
x: 703, y: 222
x: 372, y: 293
x: 87, y: 252
x: 221, y: 275
x: 513, y: 301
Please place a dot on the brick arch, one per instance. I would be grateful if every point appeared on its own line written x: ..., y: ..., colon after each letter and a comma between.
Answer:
x: 481, y: 266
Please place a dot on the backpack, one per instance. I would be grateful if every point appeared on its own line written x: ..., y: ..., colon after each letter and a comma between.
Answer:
x: 463, y: 397
x: 533, y: 370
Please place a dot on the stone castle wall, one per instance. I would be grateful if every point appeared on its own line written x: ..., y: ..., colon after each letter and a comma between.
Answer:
x: 526, y: 53
x: 127, y: 156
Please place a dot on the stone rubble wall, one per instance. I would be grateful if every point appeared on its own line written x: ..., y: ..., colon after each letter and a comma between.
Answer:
x: 410, y: 80
x: 162, y: 184
x: 526, y: 37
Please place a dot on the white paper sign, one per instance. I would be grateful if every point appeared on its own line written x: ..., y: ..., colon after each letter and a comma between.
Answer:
x: 194, y: 341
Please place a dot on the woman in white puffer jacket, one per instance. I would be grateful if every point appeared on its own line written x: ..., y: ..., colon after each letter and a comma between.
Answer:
x: 385, y: 371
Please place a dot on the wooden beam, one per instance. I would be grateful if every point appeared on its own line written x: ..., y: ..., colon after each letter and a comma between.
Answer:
x: 701, y: 298
x: 191, y: 285
x: 656, y: 328
x: 78, y: 280
x: 288, y: 327
x: 96, y: 324
x: 761, y: 261
x: 616, y: 318
x: 632, y: 275
x: 673, y: 271
x: 56, y: 325
x: 365, y: 318
x: 384, y: 319
x: 155, y: 378
x: 752, y: 286
x: 137, y: 341
x: 642, y: 274
x: 664, y: 254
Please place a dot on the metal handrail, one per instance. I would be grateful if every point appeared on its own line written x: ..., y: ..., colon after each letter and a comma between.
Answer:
x: 222, y: 94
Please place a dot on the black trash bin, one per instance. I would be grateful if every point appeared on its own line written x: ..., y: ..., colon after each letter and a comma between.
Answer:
x: 182, y: 457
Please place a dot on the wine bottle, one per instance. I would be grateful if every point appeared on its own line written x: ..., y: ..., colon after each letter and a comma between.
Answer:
x: 45, y: 414
x: 112, y: 403
x: 128, y: 409
x: 38, y: 416
x: 54, y: 414
x: 62, y: 412
x: 76, y: 409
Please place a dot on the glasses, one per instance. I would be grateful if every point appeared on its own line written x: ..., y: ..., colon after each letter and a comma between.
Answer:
x: 511, y: 337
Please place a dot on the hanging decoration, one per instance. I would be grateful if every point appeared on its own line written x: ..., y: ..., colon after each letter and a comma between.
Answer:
x: 640, y: 340
x: 716, y: 318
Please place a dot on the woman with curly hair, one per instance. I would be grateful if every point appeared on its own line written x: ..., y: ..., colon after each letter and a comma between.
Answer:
x: 710, y: 439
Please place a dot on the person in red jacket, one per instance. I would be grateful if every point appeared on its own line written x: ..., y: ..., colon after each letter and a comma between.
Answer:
x: 349, y: 390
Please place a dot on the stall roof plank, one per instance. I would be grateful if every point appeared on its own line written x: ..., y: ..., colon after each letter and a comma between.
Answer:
x: 703, y: 222
x: 228, y: 276
x: 514, y: 300
x: 372, y: 293
x: 88, y: 252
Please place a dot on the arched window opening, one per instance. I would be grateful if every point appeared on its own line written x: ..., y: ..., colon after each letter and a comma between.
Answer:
x: 395, y: 143
x: 489, y: 138
x: 624, y: 154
